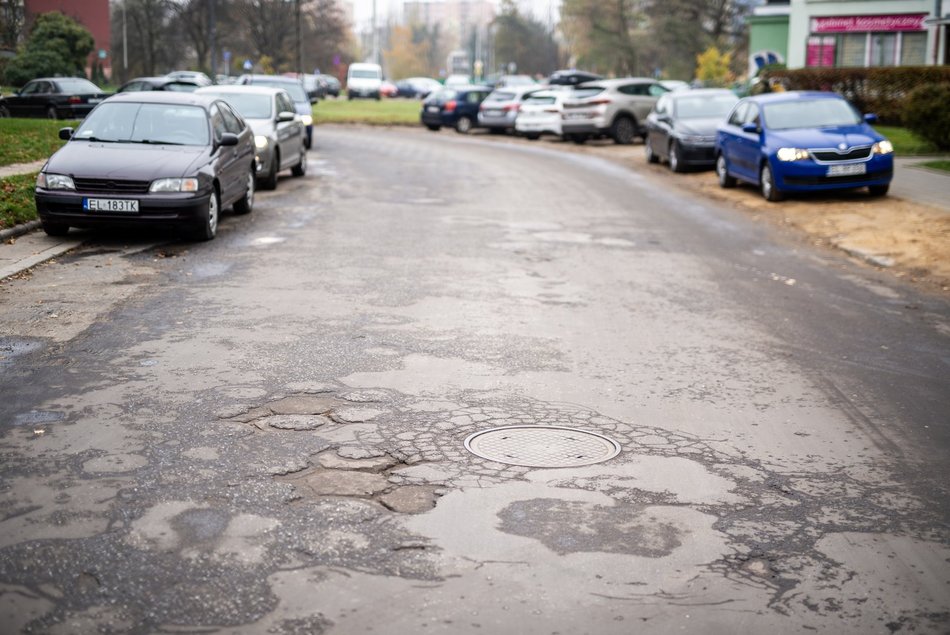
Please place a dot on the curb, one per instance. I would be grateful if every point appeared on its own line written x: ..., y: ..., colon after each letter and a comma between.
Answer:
x: 19, y: 230
x: 38, y: 258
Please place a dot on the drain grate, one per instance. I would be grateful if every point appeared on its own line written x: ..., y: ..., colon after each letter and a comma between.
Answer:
x: 542, y: 446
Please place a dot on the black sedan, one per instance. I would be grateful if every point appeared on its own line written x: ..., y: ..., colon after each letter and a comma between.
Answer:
x: 171, y: 84
x: 155, y: 158
x: 54, y: 98
x: 682, y: 127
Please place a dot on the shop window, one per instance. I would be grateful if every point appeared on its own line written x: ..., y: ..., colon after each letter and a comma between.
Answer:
x: 883, y: 49
x: 913, y: 49
x: 852, y: 49
x: 821, y: 51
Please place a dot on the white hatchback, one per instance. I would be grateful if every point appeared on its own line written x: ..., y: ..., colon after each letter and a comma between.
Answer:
x: 541, y: 114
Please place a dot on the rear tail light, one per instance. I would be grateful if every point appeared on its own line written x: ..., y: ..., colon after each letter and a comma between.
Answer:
x: 512, y: 108
x: 598, y: 102
x: 551, y: 110
x: 450, y: 105
x: 74, y: 100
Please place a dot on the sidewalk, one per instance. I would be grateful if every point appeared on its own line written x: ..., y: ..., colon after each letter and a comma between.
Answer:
x: 921, y: 185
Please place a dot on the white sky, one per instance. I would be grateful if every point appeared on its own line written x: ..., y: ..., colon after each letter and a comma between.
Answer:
x: 363, y: 10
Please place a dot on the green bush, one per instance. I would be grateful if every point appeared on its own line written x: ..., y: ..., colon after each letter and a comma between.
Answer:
x: 31, y: 64
x: 882, y: 91
x: 926, y: 113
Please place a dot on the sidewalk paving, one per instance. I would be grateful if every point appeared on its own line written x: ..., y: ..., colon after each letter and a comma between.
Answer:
x: 23, y: 247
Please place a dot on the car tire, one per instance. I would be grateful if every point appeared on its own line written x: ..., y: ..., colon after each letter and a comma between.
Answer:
x: 623, y: 131
x: 51, y: 113
x: 245, y: 204
x: 579, y: 139
x: 55, y: 229
x: 269, y: 182
x: 722, y: 172
x: 4, y: 113
x: 301, y: 168
x: 207, y: 228
x: 433, y: 128
x: 767, y: 184
x: 878, y: 190
x: 676, y: 160
x: 463, y: 125
x: 650, y: 154
x: 533, y: 136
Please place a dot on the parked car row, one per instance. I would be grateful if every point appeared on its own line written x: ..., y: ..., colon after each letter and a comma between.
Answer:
x: 166, y: 157
x: 782, y: 142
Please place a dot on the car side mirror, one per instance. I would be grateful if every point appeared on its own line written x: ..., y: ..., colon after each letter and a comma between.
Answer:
x: 286, y: 115
x: 750, y: 128
x: 870, y: 118
x: 65, y: 134
x: 228, y: 139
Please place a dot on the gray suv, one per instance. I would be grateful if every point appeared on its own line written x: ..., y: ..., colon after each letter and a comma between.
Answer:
x: 616, y: 108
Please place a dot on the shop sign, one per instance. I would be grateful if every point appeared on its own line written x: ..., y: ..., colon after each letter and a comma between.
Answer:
x: 866, y: 23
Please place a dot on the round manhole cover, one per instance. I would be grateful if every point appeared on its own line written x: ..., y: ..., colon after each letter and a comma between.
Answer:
x: 542, y: 446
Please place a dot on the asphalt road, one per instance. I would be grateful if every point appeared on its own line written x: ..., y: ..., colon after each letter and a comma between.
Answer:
x: 265, y: 433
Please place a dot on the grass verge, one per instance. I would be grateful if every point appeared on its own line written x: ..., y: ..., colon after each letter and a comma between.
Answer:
x: 26, y: 140
x: 16, y: 200
x: 386, y: 112
x: 937, y: 165
x: 906, y: 143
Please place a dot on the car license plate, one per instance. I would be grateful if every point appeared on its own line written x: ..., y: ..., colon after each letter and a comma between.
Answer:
x: 575, y: 115
x: 94, y: 100
x: 847, y: 169
x: 493, y: 113
x: 110, y: 205
x: 432, y: 109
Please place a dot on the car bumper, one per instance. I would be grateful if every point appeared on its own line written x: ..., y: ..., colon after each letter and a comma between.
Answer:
x: 496, y: 121
x: 363, y: 92
x: 809, y: 176
x: 154, y: 209
x: 697, y: 154
x: 437, y: 118
x: 539, y: 125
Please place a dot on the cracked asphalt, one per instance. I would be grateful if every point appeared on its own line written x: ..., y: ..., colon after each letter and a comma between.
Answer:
x: 265, y: 433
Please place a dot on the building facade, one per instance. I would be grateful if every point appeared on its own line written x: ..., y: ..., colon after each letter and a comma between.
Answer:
x: 92, y: 14
x: 865, y: 33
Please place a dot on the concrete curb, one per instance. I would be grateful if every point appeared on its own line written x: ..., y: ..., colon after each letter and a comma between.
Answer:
x: 39, y: 257
x: 19, y: 230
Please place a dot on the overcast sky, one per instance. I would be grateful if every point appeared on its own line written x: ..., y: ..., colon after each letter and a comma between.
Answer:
x: 363, y: 9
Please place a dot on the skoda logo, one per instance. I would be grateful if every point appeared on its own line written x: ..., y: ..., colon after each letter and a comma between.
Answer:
x: 842, y: 146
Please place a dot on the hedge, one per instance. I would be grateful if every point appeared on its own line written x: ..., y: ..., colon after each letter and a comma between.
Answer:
x: 879, y: 90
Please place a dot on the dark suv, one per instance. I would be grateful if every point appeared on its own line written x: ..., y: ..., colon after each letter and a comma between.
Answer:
x: 455, y: 107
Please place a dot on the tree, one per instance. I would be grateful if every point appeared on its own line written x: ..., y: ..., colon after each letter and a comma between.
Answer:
x: 603, y: 35
x: 712, y: 67
x: 405, y: 57
x: 270, y: 25
x: 57, y: 45
x: 12, y: 19
x: 524, y: 41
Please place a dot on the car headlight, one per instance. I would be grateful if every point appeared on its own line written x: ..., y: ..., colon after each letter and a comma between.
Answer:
x: 260, y: 141
x: 306, y: 119
x: 883, y: 147
x: 54, y: 181
x: 174, y: 185
x: 791, y: 154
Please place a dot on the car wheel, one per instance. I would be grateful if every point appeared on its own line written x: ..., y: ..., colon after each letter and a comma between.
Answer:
x: 463, y: 125
x: 878, y: 190
x: 433, y: 128
x: 532, y: 136
x: 4, y: 113
x: 623, y: 130
x: 676, y: 161
x: 651, y: 155
x: 722, y: 172
x: 301, y: 168
x: 269, y: 182
x: 579, y: 139
x: 208, y: 227
x: 245, y: 205
x: 51, y: 113
x: 55, y: 229
x: 767, y: 184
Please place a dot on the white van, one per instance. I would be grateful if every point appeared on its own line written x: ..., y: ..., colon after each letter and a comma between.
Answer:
x: 364, y: 80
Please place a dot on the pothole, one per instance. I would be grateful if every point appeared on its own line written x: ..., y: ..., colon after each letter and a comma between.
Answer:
x: 542, y: 446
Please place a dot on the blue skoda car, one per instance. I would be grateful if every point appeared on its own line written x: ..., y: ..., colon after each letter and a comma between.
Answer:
x: 802, y: 142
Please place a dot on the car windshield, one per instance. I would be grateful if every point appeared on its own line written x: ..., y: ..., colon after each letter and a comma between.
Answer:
x: 584, y: 93
x: 77, y: 86
x: 251, y: 106
x: 181, y: 87
x: 814, y: 113
x: 364, y: 74
x: 146, y: 123
x: 500, y: 97
x: 704, y: 106
x: 541, y: 100
x: 295, y: 89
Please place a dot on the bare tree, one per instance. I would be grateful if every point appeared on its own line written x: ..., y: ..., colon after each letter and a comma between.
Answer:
x: 12, y: 23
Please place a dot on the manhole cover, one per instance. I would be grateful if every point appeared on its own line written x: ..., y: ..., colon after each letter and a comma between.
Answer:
x: 542, y: 446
